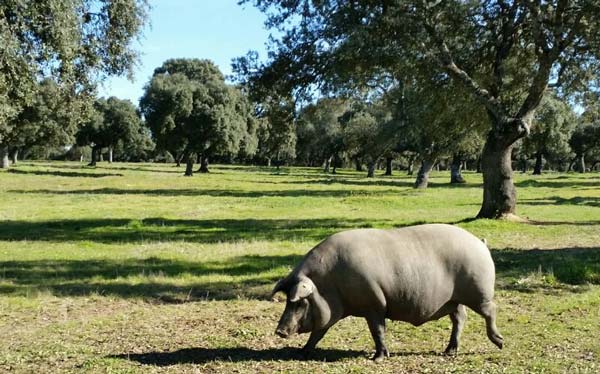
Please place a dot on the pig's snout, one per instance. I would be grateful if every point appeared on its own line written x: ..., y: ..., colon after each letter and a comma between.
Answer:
x: 282, y: 333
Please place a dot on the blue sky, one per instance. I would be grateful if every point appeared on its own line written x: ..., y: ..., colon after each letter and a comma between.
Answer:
x: 218, y: 30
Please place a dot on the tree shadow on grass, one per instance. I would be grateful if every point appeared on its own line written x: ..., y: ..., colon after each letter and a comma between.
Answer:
x: 557, y: 200
x: 361, y: 181
x: 549, y: 268
x: 337, y: 193
x: 58, y: 173
x: 558, y: 183
x: 154, y: 279
x: 252, y: 276
x: 163, y: 229
x: 237, y: 354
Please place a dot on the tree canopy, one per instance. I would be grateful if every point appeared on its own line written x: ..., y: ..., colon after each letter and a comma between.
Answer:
x: 113, y: 121
x: 75, y: 43
x: 504, y: 54
x: 191, y: 110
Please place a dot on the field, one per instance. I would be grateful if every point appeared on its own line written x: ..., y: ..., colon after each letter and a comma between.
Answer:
x: 135, y: 268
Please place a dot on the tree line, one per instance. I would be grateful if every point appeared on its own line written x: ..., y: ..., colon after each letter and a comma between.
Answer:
x: 494, y: 84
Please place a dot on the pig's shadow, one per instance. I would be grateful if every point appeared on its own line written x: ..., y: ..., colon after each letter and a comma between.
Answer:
x: 238, y: 354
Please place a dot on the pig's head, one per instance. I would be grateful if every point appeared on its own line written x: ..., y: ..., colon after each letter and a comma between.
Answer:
x: 302, y: 312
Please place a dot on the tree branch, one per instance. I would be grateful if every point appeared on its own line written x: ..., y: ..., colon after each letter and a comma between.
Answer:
x: 446, y: 61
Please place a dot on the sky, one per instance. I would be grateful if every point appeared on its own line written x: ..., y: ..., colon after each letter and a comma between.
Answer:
x: 218, y: 30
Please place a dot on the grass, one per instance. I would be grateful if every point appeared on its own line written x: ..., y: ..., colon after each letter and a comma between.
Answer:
x: 134, y: 268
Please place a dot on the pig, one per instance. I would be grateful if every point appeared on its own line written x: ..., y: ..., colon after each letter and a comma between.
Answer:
x: 413, y: 274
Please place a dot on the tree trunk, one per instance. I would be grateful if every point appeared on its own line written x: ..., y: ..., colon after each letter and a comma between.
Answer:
x: 95, y: 151
x: 411, y: 166
x: 423, y: 174
x: 334, y: 164
x: 327, y: 164
x: 478, y: 166
x: 269, y: 161
x: 178, y: 158
x: 4, y: 162
x: 455, y: 170
x: 204, y: 164
x: 189, y: 165
x: 537, y: 169
x: 499, y: 193
x: 388, y: 165
x: 358, y: 164
x: 110, y: 155
x: 371, y: 169
x: 15, y: 156
x: 581, y: 165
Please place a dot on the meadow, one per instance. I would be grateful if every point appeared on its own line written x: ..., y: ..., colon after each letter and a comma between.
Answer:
x: 135, y: 268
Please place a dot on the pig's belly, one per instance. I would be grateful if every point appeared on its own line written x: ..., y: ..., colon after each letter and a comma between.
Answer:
x: 420, y: 312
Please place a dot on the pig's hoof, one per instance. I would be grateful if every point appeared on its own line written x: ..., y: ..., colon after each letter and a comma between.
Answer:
x: 498, y: 340
x: 451, y: 351
x: 380, y: 355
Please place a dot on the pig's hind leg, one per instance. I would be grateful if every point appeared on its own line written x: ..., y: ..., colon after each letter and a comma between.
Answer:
x: 487, y: 310
x: 458, y: 317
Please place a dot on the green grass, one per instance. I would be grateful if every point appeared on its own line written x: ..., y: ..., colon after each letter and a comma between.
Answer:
x: 135, y: 268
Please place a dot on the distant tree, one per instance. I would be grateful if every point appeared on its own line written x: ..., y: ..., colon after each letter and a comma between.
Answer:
x: 369, y: 132
x: 49, y: 119
x: 76, y: 43
x: 320, y: 131
x: 191, y: 110
x: 138, y: 147
x: 277, y: 133
x: 585, y: 142
x: 553, y: 124
x: 435, y: 126
x: 113, y: 121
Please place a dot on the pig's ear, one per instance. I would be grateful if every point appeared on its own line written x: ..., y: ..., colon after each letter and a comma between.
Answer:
x: 280, y: 286
x: 301, y: 290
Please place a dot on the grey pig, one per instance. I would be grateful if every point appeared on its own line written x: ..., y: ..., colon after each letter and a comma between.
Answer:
x: 414, y: 274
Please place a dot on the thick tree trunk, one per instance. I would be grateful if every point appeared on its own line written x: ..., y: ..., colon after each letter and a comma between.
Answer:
x: 204, y: 164
x: 581, y: 164
x: 455, y: 170
x: 110, y: 155
x: 423, y: 174
x: 15, y: 156
x: 4, y: 162
x: 268, y: 161
x: 189, y: 165
x: 537, y: 169
x: 327, y: 164
x: 388, y: 165
x: 95, y: 152
x: 371, y: 169
x: 499, y: 192
x: 358, y: 164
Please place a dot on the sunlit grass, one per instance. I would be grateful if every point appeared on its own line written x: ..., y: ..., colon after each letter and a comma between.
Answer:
x: 133, y: 267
